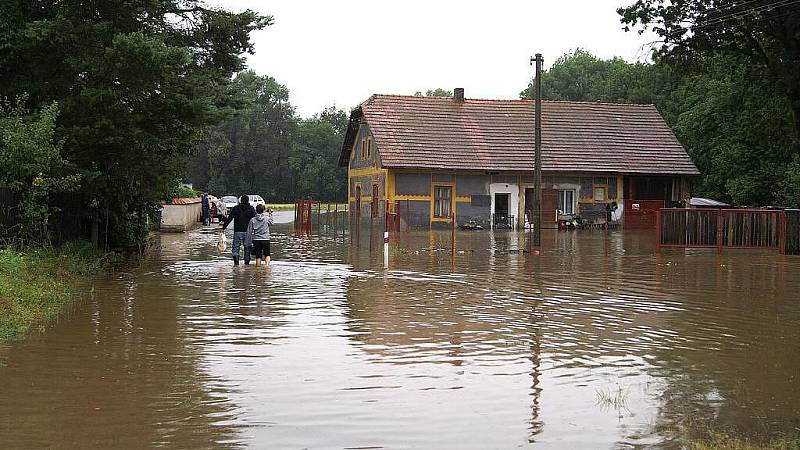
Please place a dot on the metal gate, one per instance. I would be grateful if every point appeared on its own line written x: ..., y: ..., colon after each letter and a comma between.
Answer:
x: 641, y: 214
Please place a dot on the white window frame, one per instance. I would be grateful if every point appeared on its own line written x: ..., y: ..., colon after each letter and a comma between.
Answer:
x: 439, y: 202
x: 562, y: 193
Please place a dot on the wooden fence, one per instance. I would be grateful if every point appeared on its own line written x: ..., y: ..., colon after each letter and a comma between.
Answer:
x: 728, y: 228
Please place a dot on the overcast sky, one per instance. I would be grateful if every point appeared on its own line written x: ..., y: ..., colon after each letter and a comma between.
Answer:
x: 341, y: 52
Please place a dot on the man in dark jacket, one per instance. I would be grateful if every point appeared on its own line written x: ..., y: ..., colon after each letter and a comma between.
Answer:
x: 240, y: 215
x: 205, y: 206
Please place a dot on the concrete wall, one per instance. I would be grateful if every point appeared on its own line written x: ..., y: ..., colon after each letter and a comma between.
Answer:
x: 180, y: 218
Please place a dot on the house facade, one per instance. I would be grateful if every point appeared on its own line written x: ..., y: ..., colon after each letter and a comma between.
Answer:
x: 433, y: 160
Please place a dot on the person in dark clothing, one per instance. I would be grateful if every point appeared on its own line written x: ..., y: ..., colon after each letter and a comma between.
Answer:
x: 240, y: 215
x: 206, y: 207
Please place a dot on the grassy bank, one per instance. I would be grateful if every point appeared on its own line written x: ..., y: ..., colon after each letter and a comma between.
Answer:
x: 36, y: 285
x: 725, y: 442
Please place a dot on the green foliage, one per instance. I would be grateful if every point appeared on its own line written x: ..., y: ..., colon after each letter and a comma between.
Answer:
x: 31, y: 165
x: 137, y: 85
x: 37, y: 285
x: 315, y: 154
x: 181, y: 191
x: 764, y: 33
x: 733, y: 121
x: 264, y: 149
x: 580, y: 76
x: 790, y: 188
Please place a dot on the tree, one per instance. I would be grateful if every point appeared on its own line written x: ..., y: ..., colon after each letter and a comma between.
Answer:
x: 728, y: 114
x: 249, y: 153
x: 32, y: 167
x: 580, y: 76
x: 763, y: 32
x: 138, y: 82
x: 315, y: 156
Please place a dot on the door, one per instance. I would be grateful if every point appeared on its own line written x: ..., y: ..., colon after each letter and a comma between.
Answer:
x: 501, y: 219
x: 549, y: 206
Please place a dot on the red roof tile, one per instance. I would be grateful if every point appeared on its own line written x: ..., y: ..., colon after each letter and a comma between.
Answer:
x: 498, y: 135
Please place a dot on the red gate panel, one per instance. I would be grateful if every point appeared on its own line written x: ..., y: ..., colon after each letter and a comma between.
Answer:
x: 641, y: 214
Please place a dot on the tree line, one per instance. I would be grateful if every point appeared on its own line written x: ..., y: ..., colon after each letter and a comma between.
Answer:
x: 105, y: 107
x: 726, y: 78
x: 264, y: 148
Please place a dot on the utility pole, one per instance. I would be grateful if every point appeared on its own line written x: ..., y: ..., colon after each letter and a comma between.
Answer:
x: 537, y: 164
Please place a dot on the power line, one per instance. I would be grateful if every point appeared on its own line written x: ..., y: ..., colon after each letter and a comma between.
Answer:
x: 735, y: 15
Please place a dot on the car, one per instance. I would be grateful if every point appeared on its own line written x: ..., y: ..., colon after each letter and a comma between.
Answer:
x: 230, y: 201
x: 256, y: 200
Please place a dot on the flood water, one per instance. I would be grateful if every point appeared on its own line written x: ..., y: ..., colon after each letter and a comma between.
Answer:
x: 599, y: 342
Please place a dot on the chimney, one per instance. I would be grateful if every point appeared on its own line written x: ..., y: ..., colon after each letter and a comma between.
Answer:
x: 458, y: 95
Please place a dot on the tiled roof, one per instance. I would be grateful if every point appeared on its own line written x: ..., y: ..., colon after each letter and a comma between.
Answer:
x: 498, y: 135
x: 186, y: 201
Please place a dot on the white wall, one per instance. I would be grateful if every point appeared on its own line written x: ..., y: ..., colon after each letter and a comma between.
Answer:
x: 513, y: 198
x: 180, y: 218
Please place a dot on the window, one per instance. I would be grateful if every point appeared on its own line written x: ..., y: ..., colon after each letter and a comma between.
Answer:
x: 599, y: 193
x: 442, y: 201
x: 366, y: 148
x: 566, y: 202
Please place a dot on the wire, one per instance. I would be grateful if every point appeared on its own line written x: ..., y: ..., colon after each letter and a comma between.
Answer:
x: 736, y: 15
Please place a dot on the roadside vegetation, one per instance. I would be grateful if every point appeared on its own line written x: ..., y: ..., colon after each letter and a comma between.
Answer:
x: 37, y: 285
x: 726, y: 442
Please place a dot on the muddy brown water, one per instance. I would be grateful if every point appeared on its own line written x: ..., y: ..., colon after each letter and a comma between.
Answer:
x: 599, y: 342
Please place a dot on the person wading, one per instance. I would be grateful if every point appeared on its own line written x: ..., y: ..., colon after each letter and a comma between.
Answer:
x: 258, y: 235
x: 240, y: 215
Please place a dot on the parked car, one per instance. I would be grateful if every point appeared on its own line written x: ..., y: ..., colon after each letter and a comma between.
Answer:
x: 230, y: 201
x: 256, y: 200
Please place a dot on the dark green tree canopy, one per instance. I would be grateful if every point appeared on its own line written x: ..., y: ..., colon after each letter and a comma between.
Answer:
x: 765, y: 32
x: 265, y: 149
x: 733, y: 120
x: 137, y: 82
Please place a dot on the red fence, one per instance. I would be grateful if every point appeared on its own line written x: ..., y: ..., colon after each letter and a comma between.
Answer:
x: 722, y: 228
x: 303, y: 216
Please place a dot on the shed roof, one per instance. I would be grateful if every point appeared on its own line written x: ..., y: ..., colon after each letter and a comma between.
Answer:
x: 700, y: 201
x: 498, y: 135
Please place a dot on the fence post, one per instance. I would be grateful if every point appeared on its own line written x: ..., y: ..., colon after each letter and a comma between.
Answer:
x: 658, y: 229
x: 782, y: 239
x: 453, y: 233
x: 720, y: 234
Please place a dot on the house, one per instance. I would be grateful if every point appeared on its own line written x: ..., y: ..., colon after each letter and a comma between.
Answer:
x: 432, y: 158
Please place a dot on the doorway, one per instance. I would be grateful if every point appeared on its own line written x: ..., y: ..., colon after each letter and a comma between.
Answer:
x: 501, y: 218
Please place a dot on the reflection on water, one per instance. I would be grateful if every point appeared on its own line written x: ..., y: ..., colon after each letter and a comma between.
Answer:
x: 599, y: 342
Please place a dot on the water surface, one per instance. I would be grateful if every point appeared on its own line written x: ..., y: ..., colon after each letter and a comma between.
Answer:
x: 599, y: 342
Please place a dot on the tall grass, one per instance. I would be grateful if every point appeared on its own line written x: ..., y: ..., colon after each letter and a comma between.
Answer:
x: 719, y: 441
x: 36, y: 285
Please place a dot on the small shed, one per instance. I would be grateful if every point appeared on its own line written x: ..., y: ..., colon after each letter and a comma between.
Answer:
x: 700, y: 202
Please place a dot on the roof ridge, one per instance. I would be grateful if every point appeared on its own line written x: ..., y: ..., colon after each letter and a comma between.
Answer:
x: 497, y: 100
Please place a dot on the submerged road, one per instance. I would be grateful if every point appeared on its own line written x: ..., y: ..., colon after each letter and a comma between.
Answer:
x: 599, y: 343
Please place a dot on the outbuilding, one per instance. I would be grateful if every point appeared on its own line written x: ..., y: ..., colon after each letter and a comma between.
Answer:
x: 432, y: 160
